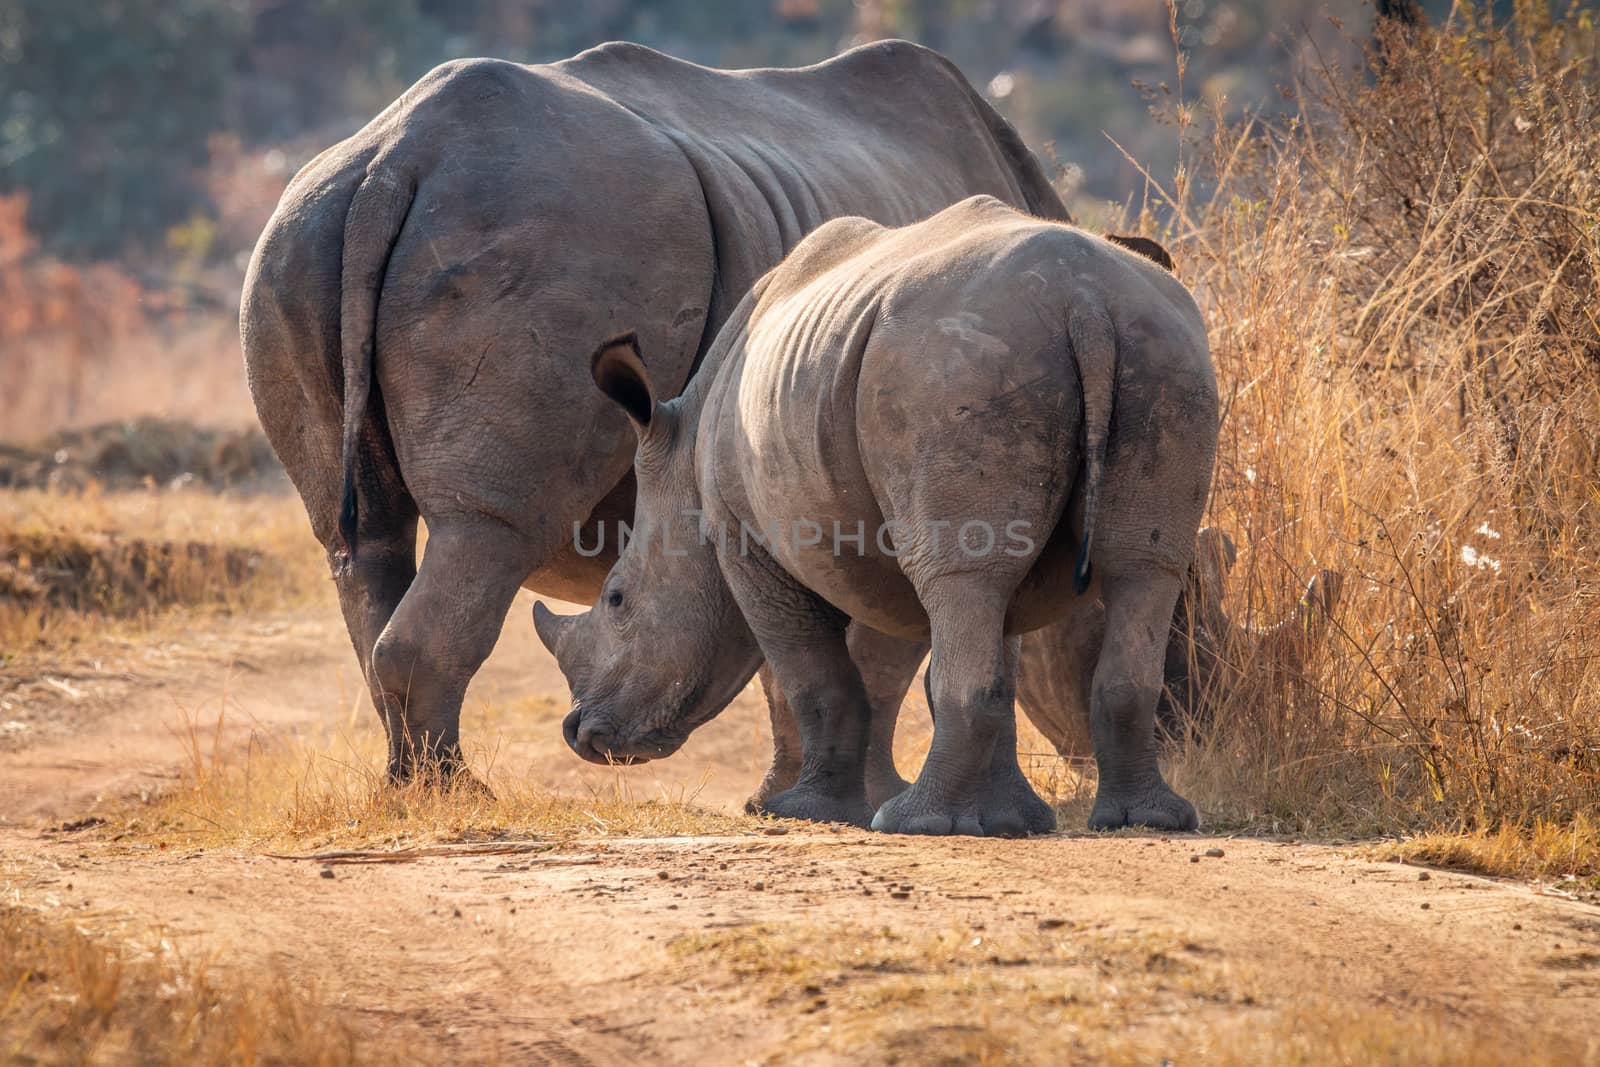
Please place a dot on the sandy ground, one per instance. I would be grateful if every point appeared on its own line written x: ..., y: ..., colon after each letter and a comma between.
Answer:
x: 634, y: 950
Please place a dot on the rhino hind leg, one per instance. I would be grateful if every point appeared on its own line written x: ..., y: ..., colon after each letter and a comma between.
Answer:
x: 443, y: 629
x: 1016, y: 809
x: 370, y: 589
x: 971, y: 690
x: 1122, y: 706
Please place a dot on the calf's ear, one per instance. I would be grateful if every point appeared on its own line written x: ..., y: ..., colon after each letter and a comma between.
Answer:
x: 1214, y: 556
x: 1145, y: 247
x: 619, y: 371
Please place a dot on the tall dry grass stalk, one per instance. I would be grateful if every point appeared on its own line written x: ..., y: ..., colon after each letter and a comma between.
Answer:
x: 1401, y: 286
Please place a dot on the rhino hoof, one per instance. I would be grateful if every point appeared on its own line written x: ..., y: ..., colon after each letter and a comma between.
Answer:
x: 1000, y: 813
x: 929, y: 824
x: 1013, y: 809
x: 813, y: 806
x: 1157, y: 808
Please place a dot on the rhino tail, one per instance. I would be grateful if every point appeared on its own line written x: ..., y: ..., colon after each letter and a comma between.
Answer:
x: 377, y: 212
x: 1094, y: 351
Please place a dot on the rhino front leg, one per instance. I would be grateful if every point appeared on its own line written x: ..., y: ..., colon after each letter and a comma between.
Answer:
x: 803, y: 639
x: 785, y: 769
x: 830, y: 707
x: 888, y: 666
x: 1122, y: 706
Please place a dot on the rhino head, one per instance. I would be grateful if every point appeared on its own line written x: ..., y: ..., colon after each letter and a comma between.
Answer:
x: 664, y: 648
x: 1210, y: 657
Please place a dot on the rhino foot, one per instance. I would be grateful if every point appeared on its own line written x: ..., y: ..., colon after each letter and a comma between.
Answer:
x: 884, y: 784
x: 1154, y: 805
x: 1012, y: 809
x: 446, y: 776
x: 1005, y: 809
x: 780, y: 778
x: 816, y: 806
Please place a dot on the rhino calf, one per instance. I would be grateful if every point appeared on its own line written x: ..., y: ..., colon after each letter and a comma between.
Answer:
x: 1210, y: 660
x: 943, y: 431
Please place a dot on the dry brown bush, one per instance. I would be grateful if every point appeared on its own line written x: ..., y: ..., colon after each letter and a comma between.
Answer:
x: 1401, y: 288
x: 75, y: 564
x: 91, y: 343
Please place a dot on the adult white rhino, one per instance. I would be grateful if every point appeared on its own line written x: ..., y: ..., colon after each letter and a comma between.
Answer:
x: 420, y: 309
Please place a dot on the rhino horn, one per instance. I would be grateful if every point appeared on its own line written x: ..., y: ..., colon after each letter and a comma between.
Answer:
x: 551, y: 628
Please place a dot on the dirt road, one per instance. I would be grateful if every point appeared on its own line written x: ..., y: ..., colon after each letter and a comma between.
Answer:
x: 805, y: 945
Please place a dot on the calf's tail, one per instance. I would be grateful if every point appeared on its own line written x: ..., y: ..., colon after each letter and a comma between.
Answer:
x: 1094, y: 351
x: 377, y: 212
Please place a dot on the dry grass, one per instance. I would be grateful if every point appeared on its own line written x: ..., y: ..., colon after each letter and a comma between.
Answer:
x: 75, y: 566
x: 68, y: 998
x: 1565, y: 851
x: 1077, y: 993
x: 963, y: 995
x: 328, y: 791
x: 1321, y: 1033
x: 1401, y: 288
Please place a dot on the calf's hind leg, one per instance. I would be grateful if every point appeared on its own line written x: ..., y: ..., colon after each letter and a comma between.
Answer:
x: 971, y: 691
x: 1013, y: 805
x: 1122, y: 706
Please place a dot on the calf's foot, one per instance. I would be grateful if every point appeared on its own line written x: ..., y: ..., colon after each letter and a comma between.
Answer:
x: 1150, y: 803
x: 1011, y: 808
x: 922, y: 809
x: 1006, y: 807
x: 805, y: 802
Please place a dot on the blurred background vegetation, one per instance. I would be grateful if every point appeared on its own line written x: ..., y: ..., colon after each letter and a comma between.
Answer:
x: 1393, y: 231
x: 161, y: 131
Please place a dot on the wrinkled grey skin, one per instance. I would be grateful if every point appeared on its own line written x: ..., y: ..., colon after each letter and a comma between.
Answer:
x: 978, y: 367
x: 418, y: 310
x: 1209, y: 659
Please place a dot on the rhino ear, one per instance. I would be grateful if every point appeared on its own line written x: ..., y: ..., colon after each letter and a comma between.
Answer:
x: 1214, y: 556
x: 1143, y: 246
x: 619, y: 371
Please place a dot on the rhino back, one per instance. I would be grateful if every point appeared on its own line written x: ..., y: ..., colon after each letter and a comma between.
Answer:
x: 555, y: 205
x: 889, y: 131
x: 873, y: 356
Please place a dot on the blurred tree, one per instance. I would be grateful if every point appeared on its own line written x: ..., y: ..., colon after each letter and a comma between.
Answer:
x: 302, y: 63
x: 105, y: 108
